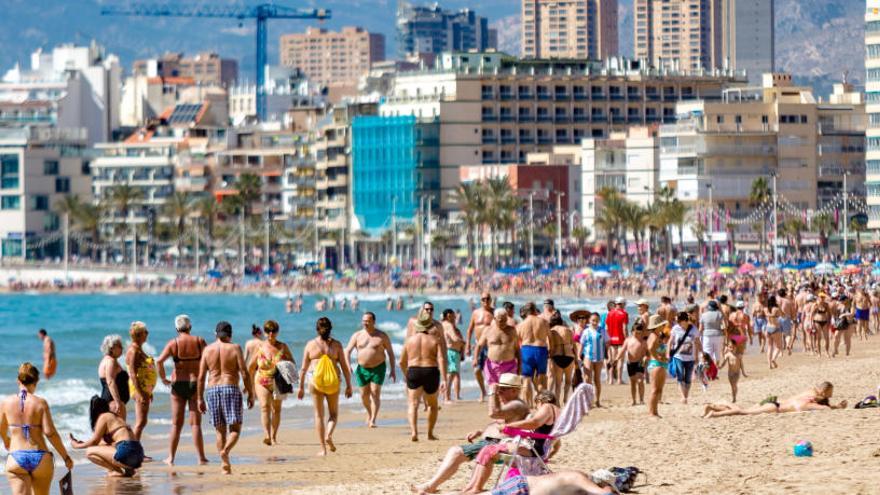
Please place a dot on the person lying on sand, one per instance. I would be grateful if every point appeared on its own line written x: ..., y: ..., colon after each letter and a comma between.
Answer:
x: 815, y: 399
x: 558, y: 483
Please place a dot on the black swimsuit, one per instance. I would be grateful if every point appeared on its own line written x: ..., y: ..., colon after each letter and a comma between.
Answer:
x: 121, y: 386
x: 426, y: 377
x: 185, y: 389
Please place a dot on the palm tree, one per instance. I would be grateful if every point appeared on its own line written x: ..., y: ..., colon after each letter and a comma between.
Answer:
x: 207, y: 209
x: 123, y: 197
x: 676, y: 214
x: 580, y: 234
x: 824, y: 224
x: 501, y: 205
x: 471, y: 202
x: 792, y: 229
x: 69, y: 205
x: 635, y: 218
x: 610, y: 217
x: 249, y: 187
x: 699, y: 231
x: 655, y: 219
x: 759, y: 196
x: 858, y: 227
x: 178, y: 208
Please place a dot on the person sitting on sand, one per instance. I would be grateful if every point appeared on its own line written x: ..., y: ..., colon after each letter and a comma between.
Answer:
x: 558, y: 483
x: 30, y: 465
x: 113, y: 445
x: 814, y: 399
x: 323, y: 357
x: 506, y: 407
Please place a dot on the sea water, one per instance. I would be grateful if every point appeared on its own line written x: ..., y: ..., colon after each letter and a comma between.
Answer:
x: 79, y: 322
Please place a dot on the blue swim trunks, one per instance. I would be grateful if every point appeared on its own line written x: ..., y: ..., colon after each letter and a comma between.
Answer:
x: 534, y: 360
x: 785, y: 325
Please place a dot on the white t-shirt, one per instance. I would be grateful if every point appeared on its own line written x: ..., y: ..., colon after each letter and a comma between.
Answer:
x: 686, y: 351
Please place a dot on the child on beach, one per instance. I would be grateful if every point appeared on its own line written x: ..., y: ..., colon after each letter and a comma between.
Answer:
x: 735, y: 367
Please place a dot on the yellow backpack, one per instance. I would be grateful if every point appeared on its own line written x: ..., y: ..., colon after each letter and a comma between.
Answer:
x: 324, y: 377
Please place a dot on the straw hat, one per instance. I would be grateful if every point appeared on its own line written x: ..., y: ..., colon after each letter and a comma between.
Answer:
x: 581, y: 313
x: 510, y: 380
x: 642, y: 302
x: 424, y: 323
x: 655, y: 322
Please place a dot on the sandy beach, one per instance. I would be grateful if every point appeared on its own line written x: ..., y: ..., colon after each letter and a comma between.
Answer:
x: 682, y: 453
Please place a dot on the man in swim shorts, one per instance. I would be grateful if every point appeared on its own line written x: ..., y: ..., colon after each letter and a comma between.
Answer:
x: 635, y: 351
x: 481, y: 318
x: 454, y: 350
x: 423, y: 363
x: 223, y: 365
x: 534, y: 341
x: 502, y: 347
x: 373, y: 346
x: 50, y: 362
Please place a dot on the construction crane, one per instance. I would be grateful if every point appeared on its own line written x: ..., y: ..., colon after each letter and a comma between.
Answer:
x: 261, y: 13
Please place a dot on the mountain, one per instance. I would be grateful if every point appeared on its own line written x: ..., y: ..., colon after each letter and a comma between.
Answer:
x: 817, y: 40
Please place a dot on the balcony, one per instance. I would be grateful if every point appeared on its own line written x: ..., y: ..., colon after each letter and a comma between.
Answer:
x: 652, y: 96
x: 544, y: 117
x: 488, y: 95
x: 563, y: 140
x: 508, y: 140
x: 526, y: 95
x: 561, y: 118
x: 506, y: 117
x: 544, y: 96
x: 579, y: 96
x: 615, y: 96
x: 580, y: 117
x: 526, y: 140
x: 525, y: 118
x: 545, y: 140
x: 634, y: 96
x: 506, y: 95
x: 490, y: 139
x: 618, y: 119
x: 490, y: 117
x: 562, y: 95
x: 598, y: 117
x: 597, y: 96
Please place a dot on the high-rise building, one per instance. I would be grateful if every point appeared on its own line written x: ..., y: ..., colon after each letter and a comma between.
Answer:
x: 427, y: 30
x: 206, y: 69
x: 333, y: 58
x: 872, y: 108
x: 569, y: 29
x: 749, y: 37
x: 684, y: 34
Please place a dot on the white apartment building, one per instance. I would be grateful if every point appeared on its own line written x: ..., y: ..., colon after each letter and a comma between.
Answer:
x: 70, y: 87
x: 286, y: 88
x: 39, y: 165
x: 872, y: 108
x: 628, y: 162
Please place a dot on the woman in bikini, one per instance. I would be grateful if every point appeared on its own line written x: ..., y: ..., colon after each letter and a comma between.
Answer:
x: 262, y: 368
x: 113, y: 445
x: 541, y: 421
x: 821, y: 318
x: 562, y: 357
x: 658, y: 342
x: 814, y: 399
x: 142, y: 376
x: 25, y: 425
x: 775, y: 343
x: 185, y: 350
x: 323, y: 357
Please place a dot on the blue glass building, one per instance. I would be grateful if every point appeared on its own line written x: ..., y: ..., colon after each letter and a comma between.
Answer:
x: 394, y: 162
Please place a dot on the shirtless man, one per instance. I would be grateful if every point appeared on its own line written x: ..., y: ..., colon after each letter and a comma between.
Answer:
x: 635, y: 352
x: 549, y: 309
x: 814, y: 399
x: 223, y: 365
x: 254, y: 343
x: 50, y: 362
x: 185, y: 350
x: 789, y: 316
x: 454, y: 353
x: 373, y: 345
x: 644, y: 311
x: 667, y: 310
x: 502, y: 348
x: 481, y: 318
x: 534, y: 341
x: 423, y: 363
x: 800, y: 302
x: 862, y: 305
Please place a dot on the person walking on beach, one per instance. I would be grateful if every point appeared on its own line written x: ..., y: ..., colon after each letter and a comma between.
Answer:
x: 862, y: 304
x: 501, y: 343
x: 185, y: 350
x: 374, y: 352
x: 563, y: 357
x: 658, y: 360
x: 534, y: 342
x: 615, y: 328
x: 224, y: 368
x: 113, y: 378
x: 735, y: 368
x: 634, y: 352
x: 142, y: 376
x: 481, y: 318
x: 591, y: 349
x: 254, y: 344
x: 712, y: 330
x: 685, y: 350
x: 323, y: 358
x: 454, y: 353
x: 786, y: 320
x: 262, y: 368
x: 25, y: 425
x: 50, y: 362
x: 423, y: 363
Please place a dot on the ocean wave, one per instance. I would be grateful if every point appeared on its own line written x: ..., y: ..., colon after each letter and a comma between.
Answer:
x: 68, y: 392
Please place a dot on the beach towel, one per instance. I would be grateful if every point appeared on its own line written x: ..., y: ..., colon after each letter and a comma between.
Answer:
x: 575, y: 409
x: 288, y: 372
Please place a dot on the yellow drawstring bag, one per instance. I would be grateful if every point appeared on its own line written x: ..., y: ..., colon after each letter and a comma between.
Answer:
x: 324, y: 377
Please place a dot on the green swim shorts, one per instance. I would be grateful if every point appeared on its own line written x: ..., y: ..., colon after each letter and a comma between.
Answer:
x: 364, y: 376
x: 453, y: 360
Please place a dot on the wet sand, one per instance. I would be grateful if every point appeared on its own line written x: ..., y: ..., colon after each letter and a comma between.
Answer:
x: 681, y: 453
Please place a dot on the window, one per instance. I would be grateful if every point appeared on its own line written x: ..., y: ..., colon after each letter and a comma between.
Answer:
x: 11, y: 248
x: 10, y: 202
x: 9, y: 172
x: 62, y: 184
x: 50, y: 222
x: 39, y: 203
x: 50, y: 167
x: 719, y: 119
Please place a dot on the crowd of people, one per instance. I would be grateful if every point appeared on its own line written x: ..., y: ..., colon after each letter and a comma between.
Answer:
x: 528, y: 365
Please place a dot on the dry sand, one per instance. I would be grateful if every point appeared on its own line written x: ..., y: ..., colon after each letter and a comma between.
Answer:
x: 681, y: 453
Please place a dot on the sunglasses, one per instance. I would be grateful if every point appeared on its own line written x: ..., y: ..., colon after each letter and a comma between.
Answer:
x: 485, y: 299
x: 429, y: 309
x: 270, y: 330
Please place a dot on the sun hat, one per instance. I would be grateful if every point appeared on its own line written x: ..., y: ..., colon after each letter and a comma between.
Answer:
x: 425, y: 322
x: 642, y: 302
x: 510, y: 380
x: 576, y: 315
x: 740, y: 304
x: 655, y: 322
x: 619, y: 300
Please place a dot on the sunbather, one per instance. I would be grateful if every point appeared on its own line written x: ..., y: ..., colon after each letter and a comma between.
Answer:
x: 815, y: 399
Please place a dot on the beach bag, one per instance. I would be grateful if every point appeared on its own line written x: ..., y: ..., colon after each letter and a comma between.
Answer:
x: 281, y: 385
x: 324, y: 378
x: 620, y: 479
x: 673, y: 368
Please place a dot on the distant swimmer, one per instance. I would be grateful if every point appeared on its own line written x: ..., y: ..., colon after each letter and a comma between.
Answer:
x: 288, y: 305
x: 355, y: 303
x: 298, y: 304
x: 50, y: 363
x: 321, y: 304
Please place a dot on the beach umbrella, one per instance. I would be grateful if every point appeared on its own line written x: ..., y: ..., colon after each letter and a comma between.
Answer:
x: 585, y: 271
x: 601, y: 274
x: 851, y: 270
x: 349, y: 272
x: 746, y: 268
x: 726, y: 270
x: 824, y: 269
x: 214, y: 274
x: 694, y: 265
x: 875, y: 271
